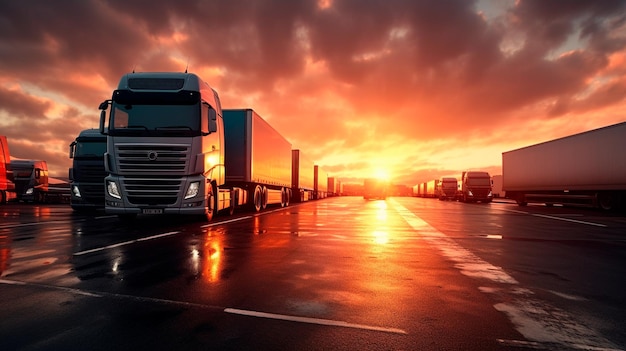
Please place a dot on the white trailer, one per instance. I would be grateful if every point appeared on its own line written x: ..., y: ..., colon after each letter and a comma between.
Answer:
x: 583, y: 169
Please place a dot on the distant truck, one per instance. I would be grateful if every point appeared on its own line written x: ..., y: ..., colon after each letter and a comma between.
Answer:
x: 31, y: 180
x: 7, y: 187
x: 257, y: 159
x: 447, y: 188
x: 496, y: 185
x: 87, y: 172
x: 581, y: 169
x: 172, y: 150
x: 475, y: 186
x: 374, y: 188
x: 302, y: 177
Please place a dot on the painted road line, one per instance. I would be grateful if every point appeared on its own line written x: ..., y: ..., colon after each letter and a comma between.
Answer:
x: 108, y: 247
x: 537, y: 320
x: 310, y: 320
x: 568, y: 220
x: 66, y: 289
x: 557, y: 218
x: 226, y: 221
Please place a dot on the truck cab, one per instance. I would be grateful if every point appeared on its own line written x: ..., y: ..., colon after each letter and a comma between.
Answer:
x: 475, y: 186
x: 87, y: 172
x: 31, y: 180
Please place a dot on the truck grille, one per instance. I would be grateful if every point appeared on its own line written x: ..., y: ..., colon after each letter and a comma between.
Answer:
x: 153, y: 191
x: 91, y: 174
x: 150, y: 160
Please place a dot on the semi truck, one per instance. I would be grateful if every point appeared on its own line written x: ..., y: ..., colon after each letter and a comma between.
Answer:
x: 374, y: 188
x: 165, y: 147
x: 87, y: 172
x: 581, y: 169
x: 447, y: 188
x: 7, y: 187
x: 475, y: 186
x: 31, y: 180
x: 257, y: 159
x: 302, y: 177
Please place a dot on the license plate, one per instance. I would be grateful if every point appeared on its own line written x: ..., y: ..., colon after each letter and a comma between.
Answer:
x: 152, y: 211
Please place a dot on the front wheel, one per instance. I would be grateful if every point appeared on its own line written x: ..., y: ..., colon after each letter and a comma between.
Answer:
x: 211, y: 203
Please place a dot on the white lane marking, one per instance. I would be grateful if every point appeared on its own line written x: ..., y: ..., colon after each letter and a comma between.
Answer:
x: 79, y: 253
x: 569, y: 220
x: 536, y: 320
x: 310, y: 320
x: 556, y: 218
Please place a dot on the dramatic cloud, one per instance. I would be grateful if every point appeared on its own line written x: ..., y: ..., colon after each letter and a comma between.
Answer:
x: 424, y: 88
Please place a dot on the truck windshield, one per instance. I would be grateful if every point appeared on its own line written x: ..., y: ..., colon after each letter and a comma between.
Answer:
x: 479, y: 181
x: 155, y: 120
x: 90, y: 148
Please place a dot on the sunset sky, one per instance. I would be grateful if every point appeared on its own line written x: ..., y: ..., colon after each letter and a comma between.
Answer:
x: 422, y: 88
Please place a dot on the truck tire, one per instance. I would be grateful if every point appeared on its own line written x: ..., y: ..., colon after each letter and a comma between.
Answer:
x: 607, y: 201
x: 265, y: 197
x: 258, y: 198
x: 211, y: 202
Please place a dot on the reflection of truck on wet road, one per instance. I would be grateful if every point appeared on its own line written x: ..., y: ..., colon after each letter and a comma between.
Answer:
x: 87, y: 172
x: 581, y: 169
x: 374, y: 188
x: 475, y: 186
x: 31, y: 180
x: 7, y: 187
x: 167, y: 150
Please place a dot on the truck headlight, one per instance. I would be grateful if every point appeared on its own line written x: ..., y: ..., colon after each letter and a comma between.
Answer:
x: 75, y: 191
x: 29, y: 191
x: 113, y: 190
x: 192, y: 190
x: 469, y: 193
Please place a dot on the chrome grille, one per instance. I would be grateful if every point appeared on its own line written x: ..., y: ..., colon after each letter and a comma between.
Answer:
x: 148, y: 159
x: 153, y: 191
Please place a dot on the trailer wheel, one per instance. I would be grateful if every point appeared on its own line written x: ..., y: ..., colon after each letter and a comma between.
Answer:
x: 233, y: 202
x: 258, y: 198
x: 607, y: 200
x: 265, y: 197
x: 287, y: 197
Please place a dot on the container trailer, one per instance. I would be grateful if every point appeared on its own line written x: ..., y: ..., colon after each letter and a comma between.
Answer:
x: 581, y: 169
x: 302, y: 177
x: 7, y: 187
x: 257, y: 159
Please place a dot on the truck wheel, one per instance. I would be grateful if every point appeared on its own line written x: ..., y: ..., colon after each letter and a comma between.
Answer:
x: 265, y: 196
x: 258, y: 198
x: 211, y: 202
x: 287, y: 197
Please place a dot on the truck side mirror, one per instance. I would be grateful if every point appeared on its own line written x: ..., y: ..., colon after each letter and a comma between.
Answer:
x: 72, y: 148
x: 212, y: 120
x: 103, y: 107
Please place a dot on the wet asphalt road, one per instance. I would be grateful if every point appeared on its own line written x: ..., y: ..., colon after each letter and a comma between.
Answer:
x: 335, y: 274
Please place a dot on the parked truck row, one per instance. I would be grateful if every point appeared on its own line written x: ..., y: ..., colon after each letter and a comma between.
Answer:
x: 473, y: 186
x: 28, y: 180
x: 170, y: 148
